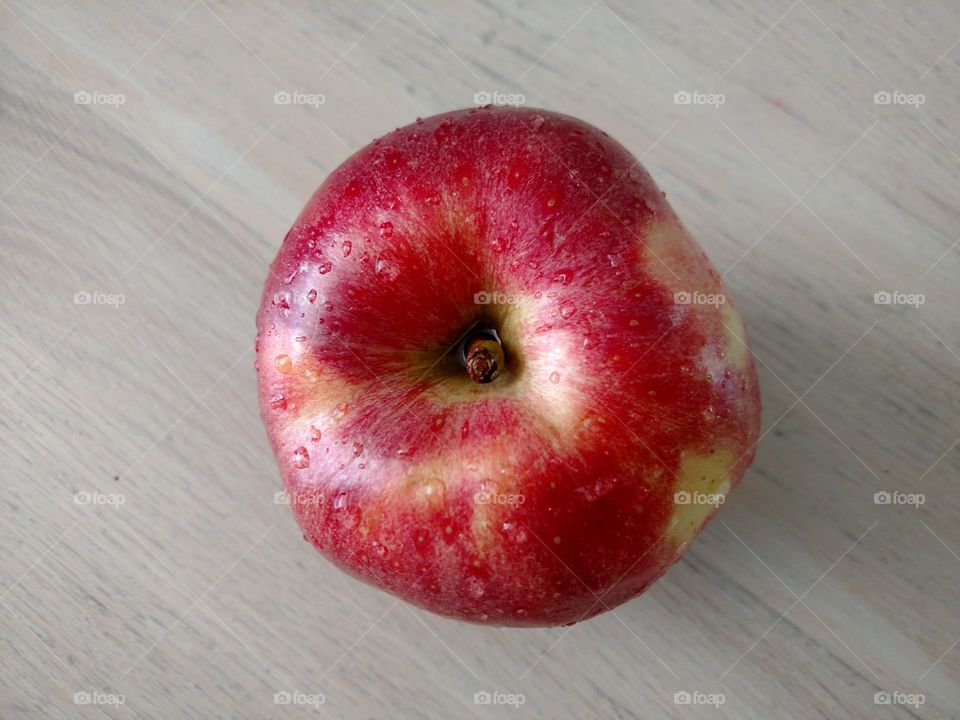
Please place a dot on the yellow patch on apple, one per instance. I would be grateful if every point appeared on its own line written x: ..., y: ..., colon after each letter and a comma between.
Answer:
x: 702, y: 485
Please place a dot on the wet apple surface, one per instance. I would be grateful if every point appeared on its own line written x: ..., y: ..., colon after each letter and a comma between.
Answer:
x: 538, y: 483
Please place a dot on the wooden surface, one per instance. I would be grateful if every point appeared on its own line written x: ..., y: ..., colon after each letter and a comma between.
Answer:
x: 197, y: 598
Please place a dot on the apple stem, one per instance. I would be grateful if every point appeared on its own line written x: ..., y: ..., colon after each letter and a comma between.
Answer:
x: 483, y: 356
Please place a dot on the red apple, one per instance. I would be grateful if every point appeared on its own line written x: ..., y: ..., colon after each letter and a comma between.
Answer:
x: 501, y: 379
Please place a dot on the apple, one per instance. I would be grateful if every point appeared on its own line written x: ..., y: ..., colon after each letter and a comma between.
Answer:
x: 501, y: 379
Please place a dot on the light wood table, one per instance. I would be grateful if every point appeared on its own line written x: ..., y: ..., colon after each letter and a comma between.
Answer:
x: 184, y: 588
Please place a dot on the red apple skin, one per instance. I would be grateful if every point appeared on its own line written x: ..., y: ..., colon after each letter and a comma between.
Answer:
x: 548, y: 495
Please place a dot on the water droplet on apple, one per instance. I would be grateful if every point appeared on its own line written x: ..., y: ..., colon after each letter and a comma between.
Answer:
x: 554, y: 377
x: 590, y: 341
x: 341, y: 410
x: 340, y: 501
x: 282, y: 301
x: 537, y: 123
x: 347, y: 247
x: 315, y: 434
x: 386, y: 229
x: 465, y: 429
x: 278, y: 402
x: 387, y: 270
x: 567, y: 309
x: 312, y: 296
x: 301, y: 458
x: 357, y: 449
x: 563, y: 277
x: 378, y: 549
x: 324, y: 267
x: 283, y: 363
x: 475, y: 587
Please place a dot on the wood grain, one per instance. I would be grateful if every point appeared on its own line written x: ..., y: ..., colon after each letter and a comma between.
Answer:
x: 196, y: 596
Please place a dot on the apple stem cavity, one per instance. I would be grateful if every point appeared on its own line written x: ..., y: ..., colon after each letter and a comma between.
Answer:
x: 482, y: 355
